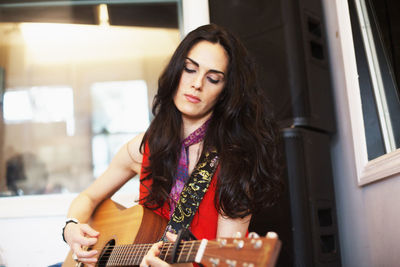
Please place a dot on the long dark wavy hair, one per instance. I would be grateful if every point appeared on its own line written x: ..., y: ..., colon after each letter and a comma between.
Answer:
x: 241, y: 128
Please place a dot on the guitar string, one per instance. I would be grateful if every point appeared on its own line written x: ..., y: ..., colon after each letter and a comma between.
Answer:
x: 183, y: 251
x: 165, y: 246
x: 150, y: 245
x: 124, y: 258
x: 184, y: 248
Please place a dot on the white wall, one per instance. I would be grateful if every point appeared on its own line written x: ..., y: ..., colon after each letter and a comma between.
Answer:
x: 30, y: 230
x: 368, y: 216
x: 195, y: 14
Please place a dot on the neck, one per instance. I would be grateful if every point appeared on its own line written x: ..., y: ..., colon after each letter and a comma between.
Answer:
x: 129, y: 255
x: 191, y: 124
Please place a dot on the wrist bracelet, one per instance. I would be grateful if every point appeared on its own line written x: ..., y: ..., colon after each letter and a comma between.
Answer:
x: 67, y: 221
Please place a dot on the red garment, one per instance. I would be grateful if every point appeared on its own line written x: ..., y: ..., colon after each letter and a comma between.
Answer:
x: 204, y: 223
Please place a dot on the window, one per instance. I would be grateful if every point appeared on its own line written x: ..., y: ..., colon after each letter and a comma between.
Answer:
x: 377, y: 58
x: 79, y: 80
x: 41, y: 104
x: 119, y: 110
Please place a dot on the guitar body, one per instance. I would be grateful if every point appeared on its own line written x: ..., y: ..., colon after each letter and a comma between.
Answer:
x: 119, y: 226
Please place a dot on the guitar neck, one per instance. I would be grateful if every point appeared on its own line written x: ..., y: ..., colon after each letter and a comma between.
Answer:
x: 128, y: 255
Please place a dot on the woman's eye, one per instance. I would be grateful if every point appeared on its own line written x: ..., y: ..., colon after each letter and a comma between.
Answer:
x: 213, y: 80
x: 189, y: 70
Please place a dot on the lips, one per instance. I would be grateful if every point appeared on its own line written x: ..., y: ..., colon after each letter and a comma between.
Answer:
x: 192, y: 98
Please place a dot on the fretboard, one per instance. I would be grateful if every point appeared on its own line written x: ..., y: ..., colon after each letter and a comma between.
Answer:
x: 128, y: 255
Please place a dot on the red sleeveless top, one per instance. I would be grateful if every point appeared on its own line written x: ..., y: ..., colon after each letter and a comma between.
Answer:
x: 205, y: 221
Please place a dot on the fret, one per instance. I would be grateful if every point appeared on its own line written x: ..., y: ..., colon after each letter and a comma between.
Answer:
x: 118, y: 255
x: 140, y: 253
x: 115, y: 255
x: 135, y: 253
x: 118, y: 251
x: 129, y: 255
x: 168, y: 245
x: 122, y: 255
x: 113, y: 260
x: 143, y: 251
x: 110, y: 254
x: 190, y: 251
x: 180, y: 252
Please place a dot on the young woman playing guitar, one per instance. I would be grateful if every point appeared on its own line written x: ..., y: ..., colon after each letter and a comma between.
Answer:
x: 209, y: 110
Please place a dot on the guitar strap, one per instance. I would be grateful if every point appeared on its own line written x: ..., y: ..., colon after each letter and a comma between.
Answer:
x: 193, y: 192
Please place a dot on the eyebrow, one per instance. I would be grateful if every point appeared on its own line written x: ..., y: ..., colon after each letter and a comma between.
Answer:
x: 211, y: 70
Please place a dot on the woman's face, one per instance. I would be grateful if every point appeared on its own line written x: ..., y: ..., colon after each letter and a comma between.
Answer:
x: 202, y: 80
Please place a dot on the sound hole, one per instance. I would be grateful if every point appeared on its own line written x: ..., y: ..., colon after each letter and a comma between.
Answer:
x: 105, y: 253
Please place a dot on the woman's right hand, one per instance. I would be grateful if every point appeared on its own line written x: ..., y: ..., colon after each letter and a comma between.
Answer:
x: 79, y: 236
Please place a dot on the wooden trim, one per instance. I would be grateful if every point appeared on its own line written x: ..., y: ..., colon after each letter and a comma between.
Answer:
x: 382, y: 167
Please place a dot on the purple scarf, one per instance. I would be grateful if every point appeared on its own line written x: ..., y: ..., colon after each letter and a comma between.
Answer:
x: 182, y: 172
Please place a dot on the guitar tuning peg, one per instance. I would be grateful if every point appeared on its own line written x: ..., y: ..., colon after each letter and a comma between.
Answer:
x: 214, y: 262
x: 231, y: 263
x: 253, y: 235
x: 237, y: 235
x: 222, y: 242
x: 239, y: 243
x: 258, y: 244
x: 272, y: 235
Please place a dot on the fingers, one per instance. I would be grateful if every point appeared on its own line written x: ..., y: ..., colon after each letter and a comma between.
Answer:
x: 86, y: 241
x: 171, y: 237
x: 85, y: 228
x: 157, y: 262
x: 88, y: 235
x: 81, y: 253
x: 79, y: 236
x: 151, y: 258
x: 81, y: 233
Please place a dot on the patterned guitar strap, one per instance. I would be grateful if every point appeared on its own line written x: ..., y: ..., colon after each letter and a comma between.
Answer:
x: 193, y: 192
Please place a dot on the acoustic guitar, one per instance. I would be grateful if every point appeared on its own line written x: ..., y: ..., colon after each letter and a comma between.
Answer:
x: 127, y: 234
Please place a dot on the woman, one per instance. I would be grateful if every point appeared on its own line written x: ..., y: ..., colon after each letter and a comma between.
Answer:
x: 208, y: 100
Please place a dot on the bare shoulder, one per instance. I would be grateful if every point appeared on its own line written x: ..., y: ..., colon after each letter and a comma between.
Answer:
x: 133, y: 148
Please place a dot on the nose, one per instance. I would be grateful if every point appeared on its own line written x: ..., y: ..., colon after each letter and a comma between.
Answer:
x: 197, y: 82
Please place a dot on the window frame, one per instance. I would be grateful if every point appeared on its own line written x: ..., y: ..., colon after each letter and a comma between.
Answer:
x: 387, y: 165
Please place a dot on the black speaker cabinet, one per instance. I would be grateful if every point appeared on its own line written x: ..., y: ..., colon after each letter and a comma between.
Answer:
x: 305, y: 216
x: 287, y: 39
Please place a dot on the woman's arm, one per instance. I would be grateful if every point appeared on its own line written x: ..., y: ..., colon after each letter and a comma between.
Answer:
x: 125, y: 165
